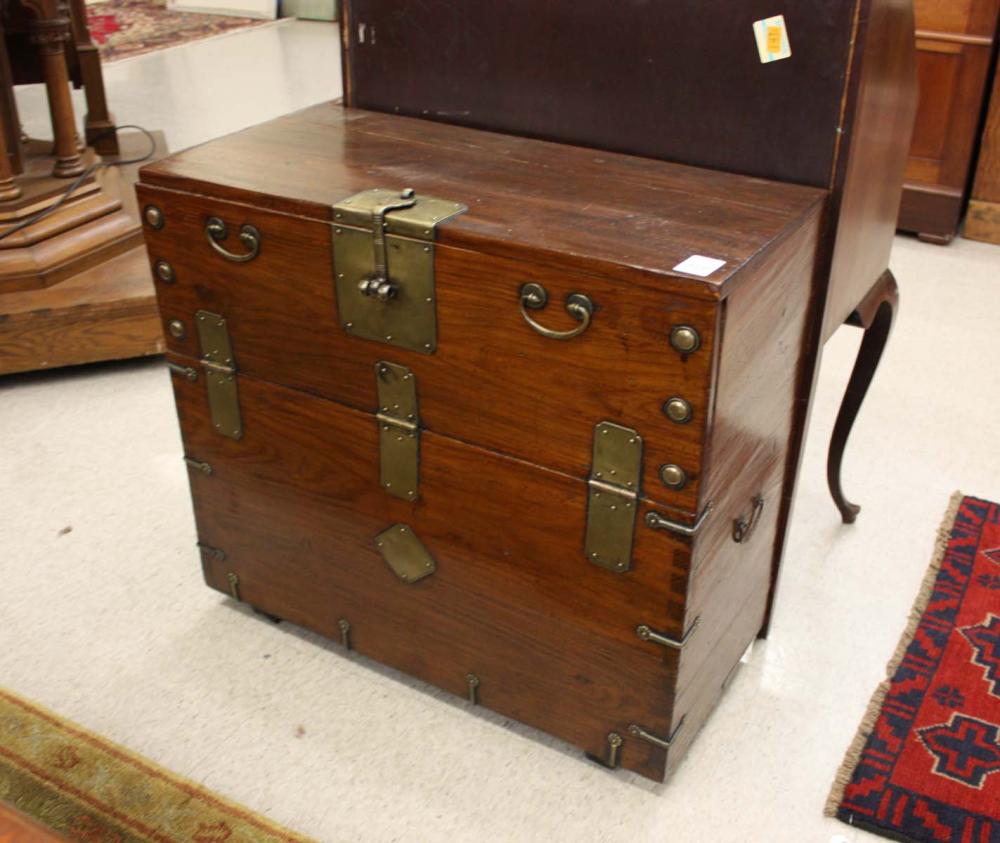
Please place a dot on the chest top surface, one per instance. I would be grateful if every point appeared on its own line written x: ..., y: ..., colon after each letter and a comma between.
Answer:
x: 618, y: 214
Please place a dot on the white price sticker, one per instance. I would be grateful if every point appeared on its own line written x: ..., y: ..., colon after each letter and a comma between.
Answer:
x: 699, y: 265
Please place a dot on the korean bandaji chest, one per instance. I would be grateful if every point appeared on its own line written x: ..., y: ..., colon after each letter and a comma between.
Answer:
x: 510, y: 416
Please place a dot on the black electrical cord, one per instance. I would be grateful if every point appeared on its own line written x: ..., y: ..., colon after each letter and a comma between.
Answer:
x: 80, y: 179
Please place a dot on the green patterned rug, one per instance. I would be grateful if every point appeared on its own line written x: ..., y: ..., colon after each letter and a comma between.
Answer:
x: 89, y: 789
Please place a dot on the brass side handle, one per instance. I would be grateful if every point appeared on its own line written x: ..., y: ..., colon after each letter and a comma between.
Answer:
x: 217, y: 231
x: 580, y: 307
x: 657, y: 522
x: 744, y: 527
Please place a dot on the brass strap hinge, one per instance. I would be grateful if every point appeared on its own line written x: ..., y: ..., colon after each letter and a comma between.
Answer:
x: 383, y: 256
x: 220, y: 373
x: 637, y: 731
x: 398, y: 421
x: 613, y: 496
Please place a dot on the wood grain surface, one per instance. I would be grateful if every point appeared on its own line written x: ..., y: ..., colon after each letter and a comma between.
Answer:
x: 493, y: 380
x: 108, y: 312
x: 880, y: 127
x: 296, y: 520
x: 618, y: 215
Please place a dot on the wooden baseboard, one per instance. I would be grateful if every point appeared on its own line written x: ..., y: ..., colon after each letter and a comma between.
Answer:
x: 107, y: 312
x: 982, y: 222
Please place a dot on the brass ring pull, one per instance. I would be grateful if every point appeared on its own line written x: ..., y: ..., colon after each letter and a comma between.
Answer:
x: 742, y: 527
x: 216, y: 231
x: 580, y: 307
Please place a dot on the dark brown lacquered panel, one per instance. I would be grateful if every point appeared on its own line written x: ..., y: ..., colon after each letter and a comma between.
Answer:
x: 624, y: 216
x: 681, y: 81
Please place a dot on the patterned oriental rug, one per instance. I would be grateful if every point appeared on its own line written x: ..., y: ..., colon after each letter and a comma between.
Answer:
x: 125, y: 28
x: 925, y: 765
x: 91, y: 790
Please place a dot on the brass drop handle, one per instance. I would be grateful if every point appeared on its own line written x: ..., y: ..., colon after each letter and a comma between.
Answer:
x: 580, y: 307
x: 217, y: 231
x: 744, y: 527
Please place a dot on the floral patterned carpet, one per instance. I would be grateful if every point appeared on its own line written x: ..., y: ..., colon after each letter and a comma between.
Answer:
x: 125, y: 28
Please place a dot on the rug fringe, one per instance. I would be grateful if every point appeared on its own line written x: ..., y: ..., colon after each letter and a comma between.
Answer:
x: 868, y: 722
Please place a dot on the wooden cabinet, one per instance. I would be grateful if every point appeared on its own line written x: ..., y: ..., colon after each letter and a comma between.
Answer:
x: 954, y: 59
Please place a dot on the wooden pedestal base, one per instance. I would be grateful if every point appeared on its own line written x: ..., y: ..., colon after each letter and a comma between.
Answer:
x: 107, y: 312
x: 76, y: 288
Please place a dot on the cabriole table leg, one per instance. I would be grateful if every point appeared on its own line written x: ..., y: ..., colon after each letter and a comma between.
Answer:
x: 875, y: 315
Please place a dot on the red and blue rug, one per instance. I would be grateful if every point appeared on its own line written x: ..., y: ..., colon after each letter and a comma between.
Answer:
x: 925, y: 765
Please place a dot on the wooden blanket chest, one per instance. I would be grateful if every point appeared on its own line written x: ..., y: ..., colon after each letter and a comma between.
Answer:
x: 510, y: 416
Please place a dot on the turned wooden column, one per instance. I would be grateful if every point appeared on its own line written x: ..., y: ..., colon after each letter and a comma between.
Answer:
x: 98, y: 123
x: 8, y: 190
x: 50, y: 35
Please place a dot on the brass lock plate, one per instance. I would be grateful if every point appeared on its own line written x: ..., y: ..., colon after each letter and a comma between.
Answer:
x: 220, y: 373
x: 404, y: 553
x: 402, y: 310
x: 398, y: 430
x: 613, y: 496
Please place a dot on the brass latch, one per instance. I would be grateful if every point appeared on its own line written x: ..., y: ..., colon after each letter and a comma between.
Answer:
x: 383, y: 256
x: 220, y: 373
x: 613, y: 496
x: 398, y: 430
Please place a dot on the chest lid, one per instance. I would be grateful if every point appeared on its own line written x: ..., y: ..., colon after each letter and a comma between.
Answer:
x: 627, y: 218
